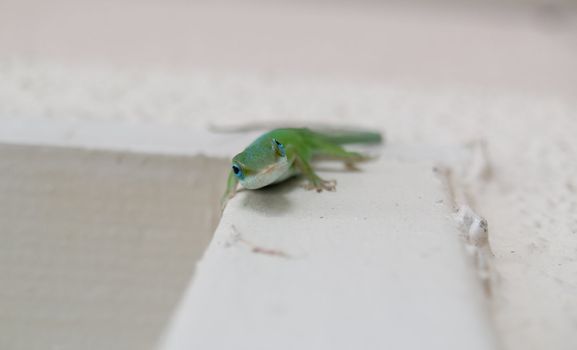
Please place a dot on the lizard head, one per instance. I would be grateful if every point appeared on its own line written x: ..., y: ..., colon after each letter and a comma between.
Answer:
x: 261, y: 164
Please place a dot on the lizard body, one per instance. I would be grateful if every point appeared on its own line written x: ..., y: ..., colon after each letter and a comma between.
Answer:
x: 281, y: 153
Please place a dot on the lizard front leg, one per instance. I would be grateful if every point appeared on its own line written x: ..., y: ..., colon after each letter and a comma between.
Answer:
x: 231, y: 186
x: 315, y: 182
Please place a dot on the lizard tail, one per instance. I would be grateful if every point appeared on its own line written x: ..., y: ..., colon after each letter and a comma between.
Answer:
x: 345, y: 137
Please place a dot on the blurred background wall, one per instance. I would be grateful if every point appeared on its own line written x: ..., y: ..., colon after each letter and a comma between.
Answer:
x: 518, y: 44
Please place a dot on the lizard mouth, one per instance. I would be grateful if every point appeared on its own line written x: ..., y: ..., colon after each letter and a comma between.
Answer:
x: 266, y: 176
x: 269, y: 169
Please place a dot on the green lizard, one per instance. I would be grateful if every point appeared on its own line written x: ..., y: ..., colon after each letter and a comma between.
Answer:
x: 282, y: 153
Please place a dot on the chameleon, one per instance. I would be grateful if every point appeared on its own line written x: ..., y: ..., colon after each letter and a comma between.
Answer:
x: 282, y: 153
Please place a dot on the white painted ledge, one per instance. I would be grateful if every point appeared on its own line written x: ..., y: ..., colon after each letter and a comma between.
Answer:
x: 376, y: 265
x: 112, y: 135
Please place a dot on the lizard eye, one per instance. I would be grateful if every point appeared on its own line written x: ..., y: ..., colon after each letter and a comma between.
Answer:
x: 237, y: 171
x: 278, y: 147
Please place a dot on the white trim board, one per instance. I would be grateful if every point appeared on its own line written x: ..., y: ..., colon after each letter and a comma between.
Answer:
x: 155, y: 138
x: 376, y: 265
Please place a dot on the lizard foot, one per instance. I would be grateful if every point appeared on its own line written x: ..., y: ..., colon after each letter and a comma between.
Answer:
x: 351, y: 166
x: 319, y: 185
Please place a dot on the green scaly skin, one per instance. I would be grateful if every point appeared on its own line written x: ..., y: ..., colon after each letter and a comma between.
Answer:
x: 282, y: 153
